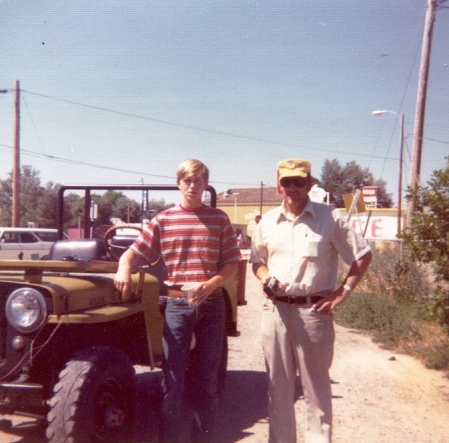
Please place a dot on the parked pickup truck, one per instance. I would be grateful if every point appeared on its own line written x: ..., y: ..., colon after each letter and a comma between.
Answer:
x: 68, y: 342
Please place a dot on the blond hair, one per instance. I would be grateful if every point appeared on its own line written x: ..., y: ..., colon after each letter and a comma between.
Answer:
x: 190, y: 167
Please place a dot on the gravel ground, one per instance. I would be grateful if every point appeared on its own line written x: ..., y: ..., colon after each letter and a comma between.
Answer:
x: 379, y: 397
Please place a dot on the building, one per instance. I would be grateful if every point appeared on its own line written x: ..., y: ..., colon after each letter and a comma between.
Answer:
x: 242, y: 205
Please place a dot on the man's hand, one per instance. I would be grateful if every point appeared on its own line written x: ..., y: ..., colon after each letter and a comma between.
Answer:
x: 335, y: 298
x: 123, y: 282
x: 204, y: 289
x: 201, y: 292
x: 330, y: 301
x: 261, y: 272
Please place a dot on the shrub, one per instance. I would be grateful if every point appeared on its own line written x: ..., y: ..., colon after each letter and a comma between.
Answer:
x: 393, y: 304
x: 395, y: 278
x: 386, y: 319
x: 432, y: 347
x: 437, y: 356
x: 428, y: 236
x: 439, y: 308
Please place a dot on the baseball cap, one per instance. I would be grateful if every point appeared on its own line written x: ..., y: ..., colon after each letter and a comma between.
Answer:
x: 294, y: 167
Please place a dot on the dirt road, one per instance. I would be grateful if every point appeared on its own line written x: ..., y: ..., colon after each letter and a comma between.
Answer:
x: 379, y: 396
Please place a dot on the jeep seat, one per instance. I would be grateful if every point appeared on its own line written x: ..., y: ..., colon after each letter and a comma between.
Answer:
x: 86, y: 249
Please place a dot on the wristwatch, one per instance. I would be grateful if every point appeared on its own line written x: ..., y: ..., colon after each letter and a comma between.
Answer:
x: 347, y: 288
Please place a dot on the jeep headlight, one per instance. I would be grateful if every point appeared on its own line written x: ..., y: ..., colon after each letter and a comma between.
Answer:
x: 26, y: 309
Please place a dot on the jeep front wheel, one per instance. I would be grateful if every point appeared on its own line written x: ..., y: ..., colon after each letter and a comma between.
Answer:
x: 94, y: 400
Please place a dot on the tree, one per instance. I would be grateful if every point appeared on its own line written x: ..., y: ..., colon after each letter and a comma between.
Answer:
x: 37, y: 204
x: 109, y: 205
x: 428, y: 236
x: 106, y: 204
x: 73, y: 209
x: 6, y: 202
x: 47, y: 205
x: 155, y: 206
x: 339, y: 180
x: 127, y: 210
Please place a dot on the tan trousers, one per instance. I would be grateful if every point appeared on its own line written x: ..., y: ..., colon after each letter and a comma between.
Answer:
x: 297, y: 339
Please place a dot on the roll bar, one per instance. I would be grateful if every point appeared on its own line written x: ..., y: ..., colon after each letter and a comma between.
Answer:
x: 88, y: 200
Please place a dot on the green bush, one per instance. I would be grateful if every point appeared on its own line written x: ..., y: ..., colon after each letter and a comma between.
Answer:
x: 385, y: 319
x: 397, y: 278
x: 439, y: 308
x: 427, y: 238
x: 395, y: 304
x: 437, y: 357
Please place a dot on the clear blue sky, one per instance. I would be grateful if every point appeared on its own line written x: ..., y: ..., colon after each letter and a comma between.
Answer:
x: 117, y: 91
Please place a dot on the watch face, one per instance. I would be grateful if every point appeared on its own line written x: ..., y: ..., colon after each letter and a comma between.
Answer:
x: 347, y: 288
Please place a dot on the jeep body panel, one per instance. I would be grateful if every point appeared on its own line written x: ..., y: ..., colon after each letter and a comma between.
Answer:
x: 77, y: 299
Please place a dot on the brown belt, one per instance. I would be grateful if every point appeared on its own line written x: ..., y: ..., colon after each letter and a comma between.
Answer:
x: 178, y: 293
x: 300, y: 300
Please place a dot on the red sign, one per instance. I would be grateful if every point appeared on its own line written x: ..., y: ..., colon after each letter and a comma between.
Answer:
x: 369, y: 191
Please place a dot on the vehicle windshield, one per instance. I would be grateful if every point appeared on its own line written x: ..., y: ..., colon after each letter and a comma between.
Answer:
x: 47, y: 236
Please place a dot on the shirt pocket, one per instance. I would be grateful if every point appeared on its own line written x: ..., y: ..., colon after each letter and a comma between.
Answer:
x: 312, y: 246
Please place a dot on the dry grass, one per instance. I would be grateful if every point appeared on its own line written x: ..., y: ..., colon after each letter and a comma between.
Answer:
x: 392, y: 303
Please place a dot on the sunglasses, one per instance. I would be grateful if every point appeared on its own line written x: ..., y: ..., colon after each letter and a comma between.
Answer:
x: 299, y: 182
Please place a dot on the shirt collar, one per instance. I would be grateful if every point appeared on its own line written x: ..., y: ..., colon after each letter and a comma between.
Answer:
x: 310, y: 208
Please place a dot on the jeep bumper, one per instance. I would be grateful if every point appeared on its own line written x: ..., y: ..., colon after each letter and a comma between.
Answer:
x: 20, y: 397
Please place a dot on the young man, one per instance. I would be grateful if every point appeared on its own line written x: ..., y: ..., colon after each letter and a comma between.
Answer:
x: 299, y: 244
x: 197, y: 244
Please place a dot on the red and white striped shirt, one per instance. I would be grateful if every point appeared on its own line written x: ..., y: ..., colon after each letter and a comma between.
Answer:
x: 194, y: 245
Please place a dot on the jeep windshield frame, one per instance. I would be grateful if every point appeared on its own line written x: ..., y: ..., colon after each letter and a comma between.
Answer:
x: 88, y: 199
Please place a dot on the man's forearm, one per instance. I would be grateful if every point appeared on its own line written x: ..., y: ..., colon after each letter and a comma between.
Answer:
x: 357, y: 270
x: 225, y: 273
x: 127, y: 259
x: 260, y: 270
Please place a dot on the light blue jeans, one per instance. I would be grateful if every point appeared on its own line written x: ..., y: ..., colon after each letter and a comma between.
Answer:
x: 207, y: 323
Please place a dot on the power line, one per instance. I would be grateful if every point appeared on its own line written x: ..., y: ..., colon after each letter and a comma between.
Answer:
x: 81, y: 163
x: 435, y: 140
x: 109, y: 168
x: 201, y: 129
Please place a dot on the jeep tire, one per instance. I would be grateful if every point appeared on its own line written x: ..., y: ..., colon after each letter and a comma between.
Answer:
x: 94, y: 400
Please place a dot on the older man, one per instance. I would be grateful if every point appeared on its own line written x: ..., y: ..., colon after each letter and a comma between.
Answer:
x: 299, y: 244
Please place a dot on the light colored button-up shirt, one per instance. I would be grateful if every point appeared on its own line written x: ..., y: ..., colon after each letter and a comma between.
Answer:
x: 302, y: 252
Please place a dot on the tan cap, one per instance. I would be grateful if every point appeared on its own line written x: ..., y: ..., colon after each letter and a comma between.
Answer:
x: 294, y: 167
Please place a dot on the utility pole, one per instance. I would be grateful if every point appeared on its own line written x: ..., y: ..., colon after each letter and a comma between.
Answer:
x: 401, y: 161
x: 16, y: 159
x: 415, y: 176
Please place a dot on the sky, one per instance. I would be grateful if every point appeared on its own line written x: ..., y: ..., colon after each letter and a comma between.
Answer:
x: 120, y: 92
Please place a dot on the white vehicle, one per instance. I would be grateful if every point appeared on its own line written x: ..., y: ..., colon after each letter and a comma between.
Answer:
x: 26, y: 243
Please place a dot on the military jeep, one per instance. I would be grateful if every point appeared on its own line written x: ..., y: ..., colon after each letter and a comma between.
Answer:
x: 68, y: 342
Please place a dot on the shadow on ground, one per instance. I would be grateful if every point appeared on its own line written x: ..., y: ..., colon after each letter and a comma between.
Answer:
x: 242, y: 405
